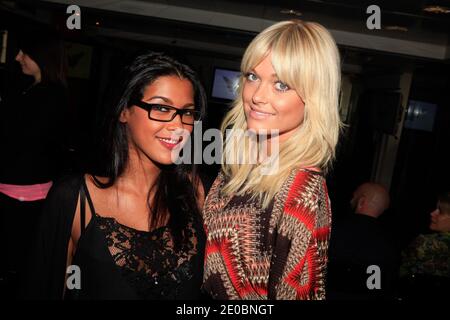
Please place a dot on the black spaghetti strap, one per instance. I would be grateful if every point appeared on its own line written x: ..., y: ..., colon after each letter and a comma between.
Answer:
x: 88, y: 196
x: 82, y: 207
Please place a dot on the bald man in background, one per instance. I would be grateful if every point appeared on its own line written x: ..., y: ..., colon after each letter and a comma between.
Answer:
x: 370, y: 199
x: 358, y: 243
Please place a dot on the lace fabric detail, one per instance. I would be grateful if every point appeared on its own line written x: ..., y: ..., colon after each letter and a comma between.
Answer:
x: 148, y: 260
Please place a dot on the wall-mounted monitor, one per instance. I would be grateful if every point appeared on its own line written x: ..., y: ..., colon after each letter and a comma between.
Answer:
x: 420, y: 115
x: 225, y: 84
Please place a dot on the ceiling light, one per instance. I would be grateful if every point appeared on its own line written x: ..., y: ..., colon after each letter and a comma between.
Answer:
x: 291, y: 12
x: 396, y: 28
x: 436, y: 9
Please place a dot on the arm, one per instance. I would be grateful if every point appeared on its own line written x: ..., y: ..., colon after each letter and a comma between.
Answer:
x: 47, y: 266
x: 73, y: 241
x: 302, y: 235
x: 70, y: 252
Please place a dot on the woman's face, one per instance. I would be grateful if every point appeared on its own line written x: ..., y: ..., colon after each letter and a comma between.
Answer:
x: 440, y: 221
x: 154, y: 139
x: 269, y: 103
x: 29, y: 66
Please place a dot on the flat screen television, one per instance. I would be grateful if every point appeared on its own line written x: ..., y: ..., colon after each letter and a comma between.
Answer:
x: 225, y: 84
x: 420, y: 115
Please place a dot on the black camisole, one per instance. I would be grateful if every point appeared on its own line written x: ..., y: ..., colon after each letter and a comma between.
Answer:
x: 120, y: 262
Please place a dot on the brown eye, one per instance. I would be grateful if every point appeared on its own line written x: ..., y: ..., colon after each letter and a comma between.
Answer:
x: 161, y: 108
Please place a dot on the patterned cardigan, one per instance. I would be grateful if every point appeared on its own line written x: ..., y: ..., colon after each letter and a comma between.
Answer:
x: 275, y: 253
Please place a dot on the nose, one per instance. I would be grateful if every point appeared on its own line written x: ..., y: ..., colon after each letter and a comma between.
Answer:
x: 176, y: 123
x: 19, y: 56
x: 260, y: 94
x: 434, y: 213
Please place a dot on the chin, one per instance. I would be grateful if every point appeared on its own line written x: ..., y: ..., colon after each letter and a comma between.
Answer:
x: 161, y: 158
x: 165, y: 161
x: 257, y: 127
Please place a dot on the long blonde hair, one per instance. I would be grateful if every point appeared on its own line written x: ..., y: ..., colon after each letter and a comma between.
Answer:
x: 305, y: 57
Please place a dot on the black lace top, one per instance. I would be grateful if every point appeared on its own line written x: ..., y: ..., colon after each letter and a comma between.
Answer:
x: 148, y: 260
x: 119, y: 262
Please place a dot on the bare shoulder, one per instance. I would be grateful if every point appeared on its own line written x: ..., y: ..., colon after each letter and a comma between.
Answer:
x: 76, y: 225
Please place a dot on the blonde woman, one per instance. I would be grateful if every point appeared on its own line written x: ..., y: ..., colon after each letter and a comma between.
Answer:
x: 267, y: 234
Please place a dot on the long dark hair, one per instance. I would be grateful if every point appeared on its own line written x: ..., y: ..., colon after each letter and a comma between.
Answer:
x: 45, y: 47
x: 175, y: 191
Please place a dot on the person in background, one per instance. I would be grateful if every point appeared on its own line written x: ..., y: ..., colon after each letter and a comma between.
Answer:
x: 425, y: 268
x: 358, y: 242
x: 31, y: 139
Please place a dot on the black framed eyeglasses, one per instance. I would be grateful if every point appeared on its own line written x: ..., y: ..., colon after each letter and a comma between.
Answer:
x: 164, y: 113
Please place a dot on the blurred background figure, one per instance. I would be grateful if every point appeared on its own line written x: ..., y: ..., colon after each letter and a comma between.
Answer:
x: 32, y: 138
x: 359, y: 241
x: 425, y: 269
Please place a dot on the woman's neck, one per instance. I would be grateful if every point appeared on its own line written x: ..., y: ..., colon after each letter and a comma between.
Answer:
x: 140, y: 174
x: 37, y: 78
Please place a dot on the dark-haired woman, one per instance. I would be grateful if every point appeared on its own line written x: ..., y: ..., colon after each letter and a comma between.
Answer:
x: 31, y: 139
x: 134, y: 232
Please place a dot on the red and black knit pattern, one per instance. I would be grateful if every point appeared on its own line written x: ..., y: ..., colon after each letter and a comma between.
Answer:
x: 275, y: 253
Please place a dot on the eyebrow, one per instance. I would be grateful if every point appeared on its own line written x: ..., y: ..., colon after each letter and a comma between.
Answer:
x: 167, y: 100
